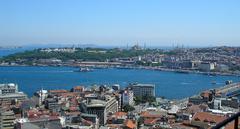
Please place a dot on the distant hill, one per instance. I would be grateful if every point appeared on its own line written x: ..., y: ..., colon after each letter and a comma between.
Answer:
x: 84, y: 54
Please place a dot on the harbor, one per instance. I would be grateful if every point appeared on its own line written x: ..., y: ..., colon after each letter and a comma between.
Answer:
x: 171, y: 85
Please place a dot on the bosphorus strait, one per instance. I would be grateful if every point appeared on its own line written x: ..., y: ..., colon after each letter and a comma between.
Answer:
x: 168, y: 84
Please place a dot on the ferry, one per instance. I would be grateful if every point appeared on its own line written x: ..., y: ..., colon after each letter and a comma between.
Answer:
x: 228, y: 82
x: 214, y: 82
x: 84, y: 69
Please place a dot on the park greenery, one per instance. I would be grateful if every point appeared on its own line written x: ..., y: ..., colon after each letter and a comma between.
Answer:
x: 82, y: 54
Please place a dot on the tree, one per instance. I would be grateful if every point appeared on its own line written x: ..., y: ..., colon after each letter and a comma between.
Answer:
x: 138, y: 100
x: 128, y: 108
x: 144, y: 99
x: 149, y: 99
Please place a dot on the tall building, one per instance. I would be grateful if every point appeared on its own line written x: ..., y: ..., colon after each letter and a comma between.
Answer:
x: 127, y: 97
x: 9, y: 93
x: 7, y: 119
x: 10, y: 98
x: 40, y: 96
x: 143, y: 89
x: 100, y: 107
x: 52, y: 104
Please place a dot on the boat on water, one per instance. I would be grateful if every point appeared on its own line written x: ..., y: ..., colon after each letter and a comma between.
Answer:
x: 210, y: 73
x: 214, y: 82
x: 228, y: 82
x: 84, y: 69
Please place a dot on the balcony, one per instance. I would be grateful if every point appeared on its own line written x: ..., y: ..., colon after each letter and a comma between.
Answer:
x: 234, y: 118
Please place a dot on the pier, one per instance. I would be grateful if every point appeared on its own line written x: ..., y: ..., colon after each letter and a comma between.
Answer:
x: 229, y: 90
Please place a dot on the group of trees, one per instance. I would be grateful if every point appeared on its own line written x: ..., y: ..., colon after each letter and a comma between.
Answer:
x: 144, y: 99
x: 128, y: 108
x: 86, y: 54
x: 139, y: 100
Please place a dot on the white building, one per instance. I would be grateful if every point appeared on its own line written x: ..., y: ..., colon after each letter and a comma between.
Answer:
x: 207, y: 66
x: 41, y: 96
x: 217, y: 103
x: 127, y: 97
x: 101, y: 107
x: 9, y: 93
x: 8, y: 88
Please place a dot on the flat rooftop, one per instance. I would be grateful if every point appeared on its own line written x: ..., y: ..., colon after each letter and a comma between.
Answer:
x: 20, y: 94
x: 96, y: 103
x: 144, y: 85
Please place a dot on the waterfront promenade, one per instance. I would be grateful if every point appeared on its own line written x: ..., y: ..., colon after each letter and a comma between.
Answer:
x: 182, y: 103
x: 228, y: 88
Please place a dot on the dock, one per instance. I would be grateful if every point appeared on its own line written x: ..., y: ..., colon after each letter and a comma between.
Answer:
x: 230, y: 88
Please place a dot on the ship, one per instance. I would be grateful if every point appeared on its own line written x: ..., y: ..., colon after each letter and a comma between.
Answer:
x: 214, y: 82
x: 84, y: 69
x: 228, y: 82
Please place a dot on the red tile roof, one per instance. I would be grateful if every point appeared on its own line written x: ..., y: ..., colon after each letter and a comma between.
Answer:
x: 150, y: 121
x: 78, y: 88
x: 205, y: 94
x: 208, y: 117
x: 196, y: 108
x: 149, y: 115
x: 130, y: 124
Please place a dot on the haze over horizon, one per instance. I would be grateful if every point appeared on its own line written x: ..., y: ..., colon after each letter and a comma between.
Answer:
x: 118, y: 23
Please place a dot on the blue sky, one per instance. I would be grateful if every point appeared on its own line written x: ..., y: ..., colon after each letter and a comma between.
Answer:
x: 117, y: 23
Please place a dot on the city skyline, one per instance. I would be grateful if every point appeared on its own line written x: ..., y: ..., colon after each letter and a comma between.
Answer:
x: 108, y: 23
